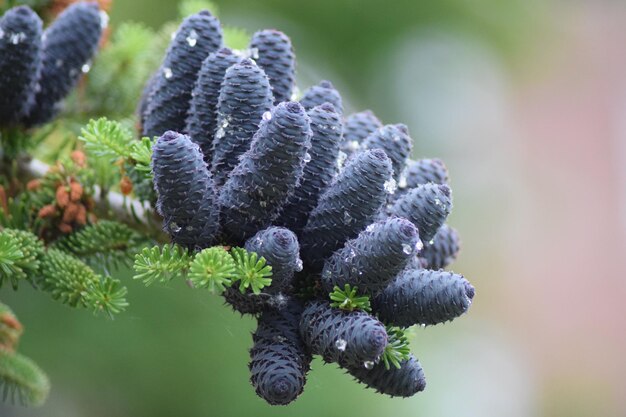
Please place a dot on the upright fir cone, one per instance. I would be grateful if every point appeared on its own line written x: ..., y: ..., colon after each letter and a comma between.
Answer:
x: 198, y: 36
x: 267, y: 174
x: 245, y: 97
x: 422, y: 171
x: 405, y: 381
x: 273, y: 53
x: 146, y: 97
x: 322, y: 93
x: 427, y: 206
x: 395, y: 141
x: 20, y: 60
x: 185, y: 193
x: 318, y: 171
x: 202, y: 115
x: 442, y: 251
x: 349, y: 204
x: 279, y: 360
x: 374, y: 258
x: 279, y: 247
x: 357, y: 127
x: 68, y: 46
x: 423, y: 297
x: 349, y: 338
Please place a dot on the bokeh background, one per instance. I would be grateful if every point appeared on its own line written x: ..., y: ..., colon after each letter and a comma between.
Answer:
x: 525, y: 101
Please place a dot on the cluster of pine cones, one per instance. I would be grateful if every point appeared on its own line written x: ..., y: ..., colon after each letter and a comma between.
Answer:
x: 326, y: 200
x: 39, y: 68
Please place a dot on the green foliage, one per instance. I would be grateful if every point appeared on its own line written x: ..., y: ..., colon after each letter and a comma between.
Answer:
x: 141, y: 153
x: 397, y: 348
x: 348, y: 299
x: 107, y: 139
x: 189, y: 7
x: 74, y: 283
x: 252, y: 271
x: 18, y: 214
x: 213, y: 269
x: 236, y: 38
x: 20, y: 254
x: 21, y: 380
x: 161, y: 264
x: 103, y: 243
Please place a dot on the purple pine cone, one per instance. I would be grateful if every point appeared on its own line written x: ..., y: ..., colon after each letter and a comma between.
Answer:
x: 273, y: 53
x: 442, y: 251
x: 244, y: 98
x: 202, y: 116
x: 267, y: 174
x: 374, y: 258
x: 185, y: 194
x: 198, y: 36
x: 349, y: 204
x: 319, y: 170
x: 20, y: 60
x: 68, y: 45
x: 322, y: 93
x: 146, y: 97
x: 427, y: 206
x: 395, y: 141
x: 423, y: 297
x: 424, y: 171
x: 406, y: 381
x: 348, y: 338
x: 279, y: 361
x: 358, y: 126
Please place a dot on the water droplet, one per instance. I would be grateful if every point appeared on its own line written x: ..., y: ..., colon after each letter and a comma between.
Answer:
x: 174, y: 227
x: 402, y: 183
x: 341, y: 344
x: 391, y: 186
x: 407, y: 249
x: 431, y: 242
x: 307, y: 157
x: 86, y: 67
x: 396, y: 138
x: 267, y: 115
x: 347, y: 218
x: 370, y: 228
x: 354, y: 145
x: 299, y: 265
x: 295, y: 94
x: 220, y: 133
x: 254, y: 53
x: 189, y: 228
x: 104, y: 19
x: 263, y: 204
x: 16, y: 38
x: 341, y: 158
x: 350, y: 256
x: 422, y: 325
x: 173, y: 35
x: 368, y: 364
x: 1, y: 33
x: 437, y: 201
x: 167, y: 73
x: 192, y: 39
x: 58, y: 63
x: 419, y: 246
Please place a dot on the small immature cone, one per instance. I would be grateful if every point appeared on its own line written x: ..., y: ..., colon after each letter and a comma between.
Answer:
x: 185, y: 195
x: 405, y: 381
x: 244, y: 98
x: 348, y: 205
x: 267, y: 174
x: 395, y: 141
x: 280, y: 248
x: 20, y: 60
x: 318, y: 171
x: 442, y: 251
x: 68, y: 45
x: 357, y: 127
x: 279, y: 360
x: 322, y: 93
x: 198, y: 36
x: 427, y: 206
x: 202, y: 115
x: 374, y: 258
x: 273, y: 53
x: 348, y: 338
x: 423, y: 297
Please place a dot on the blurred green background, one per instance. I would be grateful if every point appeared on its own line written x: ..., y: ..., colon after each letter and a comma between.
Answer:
x: 525, y: 101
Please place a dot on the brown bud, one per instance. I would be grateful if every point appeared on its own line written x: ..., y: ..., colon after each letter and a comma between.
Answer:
x: 47, y: 211
x: 79, y: 158
x: 81, y: 216
x: 3, y: 200
x: 65, y: 228
x: 126, y: 185
x: 70, y: 212
x: 76, y: 191
x: 33, y: 185
x: 90, y: 203
x: 62, y: 196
